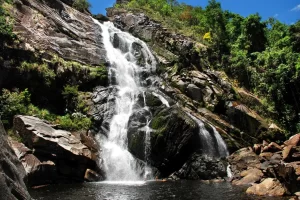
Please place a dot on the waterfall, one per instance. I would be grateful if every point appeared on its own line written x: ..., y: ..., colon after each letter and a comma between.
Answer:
x: 212, y: 143
x: 129, y: 59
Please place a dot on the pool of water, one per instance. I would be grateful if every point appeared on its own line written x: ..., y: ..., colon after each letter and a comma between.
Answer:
x: 152, y: 190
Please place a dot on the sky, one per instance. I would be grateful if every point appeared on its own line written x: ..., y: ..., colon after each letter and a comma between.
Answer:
x: 287, y: 11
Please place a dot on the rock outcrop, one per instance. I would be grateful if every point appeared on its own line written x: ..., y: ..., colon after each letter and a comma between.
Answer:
x: 55, y: 27
x: 54, y: 156
x: 12, y: 173
x: 273, y: 169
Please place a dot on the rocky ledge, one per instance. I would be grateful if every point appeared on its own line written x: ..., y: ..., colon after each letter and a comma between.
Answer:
x: 12, y: 172
x: 55, y: 156
x: 269, y: 168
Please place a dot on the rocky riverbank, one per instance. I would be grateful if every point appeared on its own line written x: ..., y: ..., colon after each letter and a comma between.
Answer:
x: 271, y: 169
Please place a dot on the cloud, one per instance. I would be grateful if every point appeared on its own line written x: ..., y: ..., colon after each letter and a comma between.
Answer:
x: 276, y: 15
x: 297, y: 8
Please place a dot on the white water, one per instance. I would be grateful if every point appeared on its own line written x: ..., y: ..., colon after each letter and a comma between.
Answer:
x: 213, y: 145
x: 229, y: 172
x: 162, y: 99
x: 119, y: 164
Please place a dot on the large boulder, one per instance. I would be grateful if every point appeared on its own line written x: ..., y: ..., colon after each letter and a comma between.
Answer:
x: 269, y: 187
x: 12, y: 172
x: 58, y: 155
x: 174, y: 139
x: 202, y: 167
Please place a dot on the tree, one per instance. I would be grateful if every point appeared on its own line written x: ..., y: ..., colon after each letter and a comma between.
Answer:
x: 81, y: 5
x: 254, y: 31
x: 295, y: 36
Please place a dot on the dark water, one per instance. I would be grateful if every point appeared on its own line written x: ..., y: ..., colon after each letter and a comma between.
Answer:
x: 185, y: 190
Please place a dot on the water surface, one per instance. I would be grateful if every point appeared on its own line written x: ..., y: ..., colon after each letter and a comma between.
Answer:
x: 182, y: 190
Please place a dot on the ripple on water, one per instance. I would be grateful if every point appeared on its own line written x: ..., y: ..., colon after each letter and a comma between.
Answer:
x: 141, y: 190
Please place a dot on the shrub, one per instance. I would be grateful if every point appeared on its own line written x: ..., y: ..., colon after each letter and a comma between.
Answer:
x: 70, y: 94
x: 81, y: 5
x: 13, y: 103
x: 74, y: 122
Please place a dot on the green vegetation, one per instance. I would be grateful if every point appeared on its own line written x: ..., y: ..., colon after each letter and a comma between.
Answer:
x: 14, y: 103
x: 262, y: 56
x: 81, y: 5
x: 6, y: 31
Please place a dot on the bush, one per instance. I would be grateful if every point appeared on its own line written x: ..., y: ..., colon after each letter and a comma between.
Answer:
x: 81, y: 5
x: 70, y: 95
x: 6, y: 31
x: 13, y: 103
x: 74, y: 122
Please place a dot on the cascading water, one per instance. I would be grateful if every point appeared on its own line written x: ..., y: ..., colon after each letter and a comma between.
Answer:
x: 212, y: 144
x: 124, y: 52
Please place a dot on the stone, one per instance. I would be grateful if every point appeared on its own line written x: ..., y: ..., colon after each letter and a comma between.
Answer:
x: 243, y: 159
x: 266, y: 155
x: 272, y: 147
x: 174, y: 138
x: 287, y: 153
x: 58, y: 155
x: 257, y: 148
x: 293, y: 141
x: 194, y: 92
x: 92, y: 176
x: 203, y: 168
x: 37, y: 172
x: 12, y: 185
x: 249, y: 176
x: 268, y: 187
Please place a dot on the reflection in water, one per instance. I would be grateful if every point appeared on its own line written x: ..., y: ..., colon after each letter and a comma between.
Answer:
x: 152, y: 190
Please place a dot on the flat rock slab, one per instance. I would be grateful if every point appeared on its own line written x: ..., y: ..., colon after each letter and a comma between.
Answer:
x: 38, y: 134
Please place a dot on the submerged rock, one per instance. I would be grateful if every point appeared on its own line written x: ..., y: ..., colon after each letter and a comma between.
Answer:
x: 12, y: 173
x: 52, y: 156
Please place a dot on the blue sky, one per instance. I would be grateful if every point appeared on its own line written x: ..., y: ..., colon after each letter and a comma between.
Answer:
x: 287, y: 11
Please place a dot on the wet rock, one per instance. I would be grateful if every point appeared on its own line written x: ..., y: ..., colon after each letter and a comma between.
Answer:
x: 12, y: 172
x: 92, y: 176
x: 195, y: 92
x: 103, y: 108
x: 202, y: 167
x: 58, y: 155
x: 268, y: 187
x: 174, y: 138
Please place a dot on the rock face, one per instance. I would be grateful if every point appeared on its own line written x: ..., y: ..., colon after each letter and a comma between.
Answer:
x: 172, y: 143
x: 12, y: 172
x: 55, y: 27
x: 53, y: 156
x: 273, y: 169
